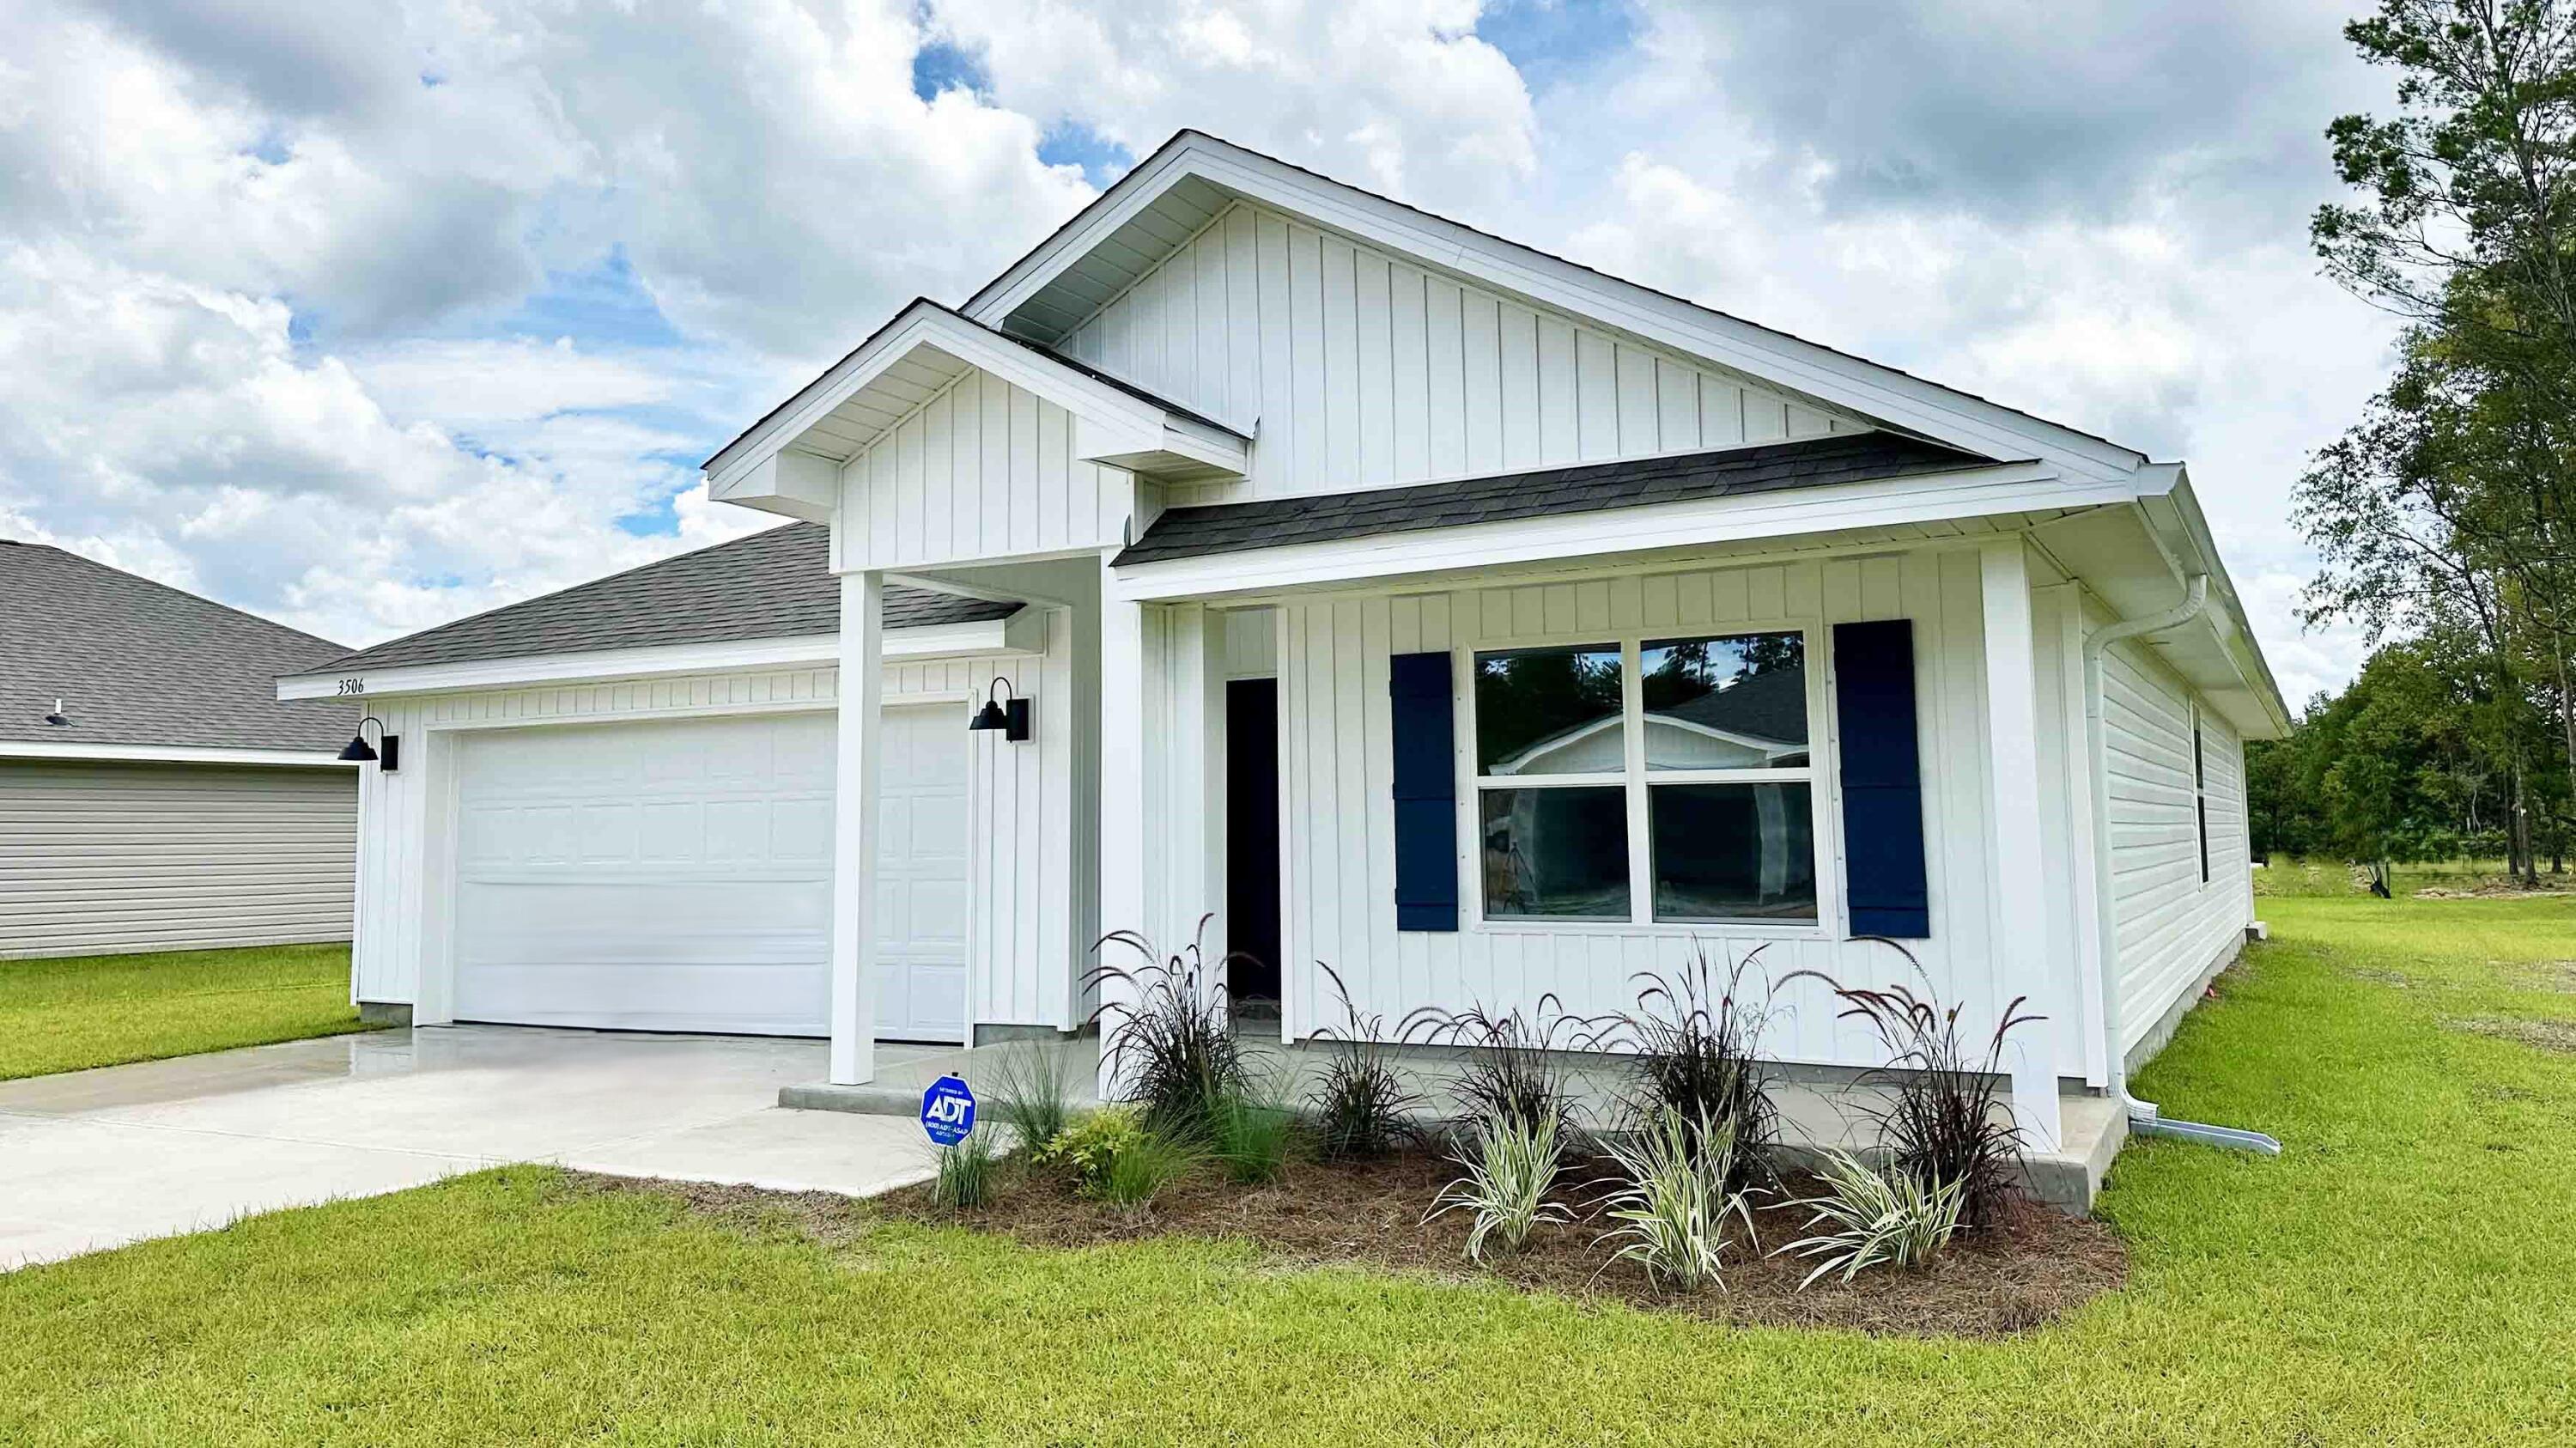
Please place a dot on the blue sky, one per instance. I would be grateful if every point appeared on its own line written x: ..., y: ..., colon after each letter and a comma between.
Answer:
x: 365, y: 320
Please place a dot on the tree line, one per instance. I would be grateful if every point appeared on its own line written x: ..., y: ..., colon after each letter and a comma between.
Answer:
x: 2446, y: 517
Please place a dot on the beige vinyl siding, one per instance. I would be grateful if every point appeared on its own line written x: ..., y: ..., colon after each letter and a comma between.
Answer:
x: 99, y: 858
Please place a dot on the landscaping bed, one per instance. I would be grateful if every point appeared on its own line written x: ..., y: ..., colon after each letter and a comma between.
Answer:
x: 2034, y: 1265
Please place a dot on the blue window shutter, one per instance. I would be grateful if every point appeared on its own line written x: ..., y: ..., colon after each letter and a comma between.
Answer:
x: 1426, y: 794
x: 1882, y: 779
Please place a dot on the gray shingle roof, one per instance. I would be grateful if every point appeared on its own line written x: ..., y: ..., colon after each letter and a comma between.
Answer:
x: 140, y: 663
x: 774, y: 584
x: 1584, y: 488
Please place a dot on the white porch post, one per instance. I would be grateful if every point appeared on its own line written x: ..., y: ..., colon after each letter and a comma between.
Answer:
x: 2012, y: 767
x: 1127, y: 871
x: 1162, y: 807
x: 854, y: 830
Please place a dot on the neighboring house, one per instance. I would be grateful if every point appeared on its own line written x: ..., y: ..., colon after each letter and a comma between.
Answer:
x: 1418, y: 603
x: 154, y: 794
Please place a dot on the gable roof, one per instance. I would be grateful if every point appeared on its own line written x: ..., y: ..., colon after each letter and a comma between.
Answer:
x: 141, y: 663
x: 924, y: 347
x: 773, y: 584
x: 1148, y: 213
x: 1546, y: 492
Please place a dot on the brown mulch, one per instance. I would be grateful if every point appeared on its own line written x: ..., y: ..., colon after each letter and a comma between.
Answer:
x: 2024, y: 1271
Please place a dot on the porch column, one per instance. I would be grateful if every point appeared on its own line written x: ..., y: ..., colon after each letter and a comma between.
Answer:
x: 854, y: 829
x: 1162, y: 809
x: 2019, y: 932
x: 1127, y: 867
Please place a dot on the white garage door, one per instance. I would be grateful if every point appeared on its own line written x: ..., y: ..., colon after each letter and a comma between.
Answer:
x: 676, y: 876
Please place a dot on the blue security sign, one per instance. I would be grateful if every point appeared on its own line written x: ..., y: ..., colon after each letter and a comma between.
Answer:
x: 948, y: 1110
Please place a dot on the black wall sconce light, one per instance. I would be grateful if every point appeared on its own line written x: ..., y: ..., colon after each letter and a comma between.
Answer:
x: 388, y: 754
x: 1010, y: 713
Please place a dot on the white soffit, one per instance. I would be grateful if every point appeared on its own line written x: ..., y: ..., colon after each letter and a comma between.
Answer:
x: 788, y: 461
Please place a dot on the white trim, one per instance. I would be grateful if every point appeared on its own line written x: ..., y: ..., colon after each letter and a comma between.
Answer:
x: 1136, y: 422
x: 988, y: 638
x: 1833, y: 377
x: 172, y: 754
x: 1968, y: 492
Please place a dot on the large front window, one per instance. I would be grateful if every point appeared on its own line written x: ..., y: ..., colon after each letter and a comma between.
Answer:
x: 1662, y: 779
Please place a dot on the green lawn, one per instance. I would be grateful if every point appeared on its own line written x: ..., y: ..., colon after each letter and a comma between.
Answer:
x: 2405, y: 1273
x: 76, y: 1012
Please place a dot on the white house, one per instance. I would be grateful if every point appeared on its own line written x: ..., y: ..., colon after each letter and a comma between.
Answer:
x: 1473, y: 622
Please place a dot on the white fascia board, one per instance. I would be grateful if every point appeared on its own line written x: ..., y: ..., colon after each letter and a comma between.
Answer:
x: 172, y: 754
x: 1844, y: 381
x: 2174, y: 517
x: 796, y: 484
x: 1966, y: 493
x: 935, y: 641
x: 927, y: 325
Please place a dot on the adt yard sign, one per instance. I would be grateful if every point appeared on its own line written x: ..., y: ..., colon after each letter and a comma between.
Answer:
x: 948, y: 1110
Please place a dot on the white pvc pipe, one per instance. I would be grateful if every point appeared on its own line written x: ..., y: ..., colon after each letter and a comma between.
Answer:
x: 2144, y: 1117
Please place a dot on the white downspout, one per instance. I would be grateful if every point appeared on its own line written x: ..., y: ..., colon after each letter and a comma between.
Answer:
x: 2144, y: 1118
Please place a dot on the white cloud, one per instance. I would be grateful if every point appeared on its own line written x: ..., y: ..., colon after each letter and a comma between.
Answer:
x: 1396, y: 95
x: 271, y: 276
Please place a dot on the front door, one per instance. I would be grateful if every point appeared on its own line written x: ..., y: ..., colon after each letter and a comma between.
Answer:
x: 1252, y: 838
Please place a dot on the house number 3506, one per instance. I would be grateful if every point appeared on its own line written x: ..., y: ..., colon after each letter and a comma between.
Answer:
x: 353, y: 686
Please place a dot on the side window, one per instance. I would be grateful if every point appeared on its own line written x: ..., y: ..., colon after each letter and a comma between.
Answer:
x: 2200, y: 792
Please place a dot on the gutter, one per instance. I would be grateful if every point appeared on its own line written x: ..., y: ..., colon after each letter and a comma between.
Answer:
x: 2145, y: 1118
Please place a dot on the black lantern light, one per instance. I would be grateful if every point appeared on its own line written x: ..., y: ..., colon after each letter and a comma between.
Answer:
x: 357, y: 752
x: 1010, y: 713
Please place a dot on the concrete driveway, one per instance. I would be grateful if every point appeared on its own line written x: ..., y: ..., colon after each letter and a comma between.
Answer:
x: 95, y: 1159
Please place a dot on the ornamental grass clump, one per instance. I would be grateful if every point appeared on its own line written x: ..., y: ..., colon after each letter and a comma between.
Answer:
x: 966, y: 1172
x: 1948, y: 1117
x: 1694, y: 1044
x: 1117, y: 1155
x: 1513, y: 1071
x: 1171, y: 1043
x: 1675, y: 1208
x: 1510, y: 1165
x: 1361, y: 1108
x: 1034, y: 1084
x: 1876, y: 1218
x: 1250, y: 1137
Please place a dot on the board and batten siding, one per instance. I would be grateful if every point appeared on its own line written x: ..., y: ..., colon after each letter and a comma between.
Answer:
x: 1355, y: 368
x: 2170, y: 926
x: 1027, y: 928
x: 1338, y: 851
x: 100, y: 858
x: 981, y: 469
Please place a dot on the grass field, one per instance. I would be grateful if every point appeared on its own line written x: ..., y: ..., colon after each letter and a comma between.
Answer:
x: 2405, y: 1273
x: 72, y: 1013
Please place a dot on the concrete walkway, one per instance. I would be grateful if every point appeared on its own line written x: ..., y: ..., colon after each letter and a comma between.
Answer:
x: 95, y: 1159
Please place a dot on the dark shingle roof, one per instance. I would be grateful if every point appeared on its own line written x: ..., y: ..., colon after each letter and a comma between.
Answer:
x: 1770, y: 705
x: 140, y: 663
x: 774, y: 584
x: 1584, y: 488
